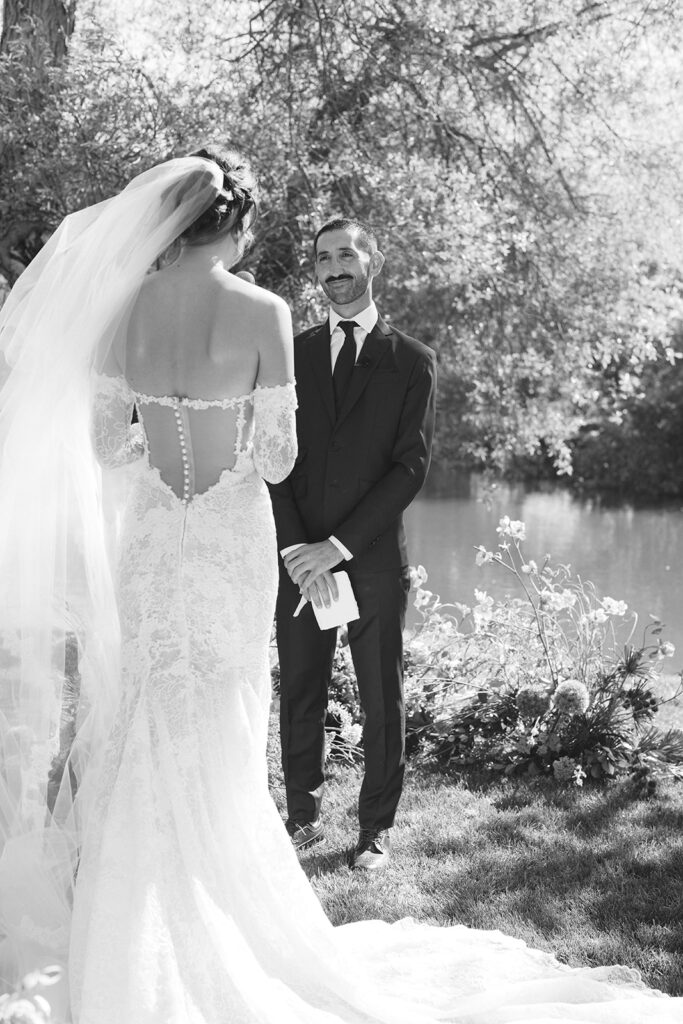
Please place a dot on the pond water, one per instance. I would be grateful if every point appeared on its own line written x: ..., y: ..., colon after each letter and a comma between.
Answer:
x: 632, y: 555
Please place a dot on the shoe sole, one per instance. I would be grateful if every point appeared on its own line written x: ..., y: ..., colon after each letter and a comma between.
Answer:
x: 308, y: 842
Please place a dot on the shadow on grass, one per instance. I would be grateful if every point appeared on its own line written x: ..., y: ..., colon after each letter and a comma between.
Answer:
x: 591, y: 874
x: 582, y: 913
x: 319, y: 861
x: 663, y: 816
x: 594, y: 876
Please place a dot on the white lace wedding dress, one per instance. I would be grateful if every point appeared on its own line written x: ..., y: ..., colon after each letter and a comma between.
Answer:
x: 190, y: 905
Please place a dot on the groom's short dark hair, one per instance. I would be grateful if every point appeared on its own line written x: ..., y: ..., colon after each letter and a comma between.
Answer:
x: 362, y: 230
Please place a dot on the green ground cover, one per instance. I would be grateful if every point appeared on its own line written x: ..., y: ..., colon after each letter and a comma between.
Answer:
x: 594, y: 875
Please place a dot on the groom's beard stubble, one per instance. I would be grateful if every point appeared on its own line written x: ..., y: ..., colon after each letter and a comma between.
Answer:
x: 343, y: 289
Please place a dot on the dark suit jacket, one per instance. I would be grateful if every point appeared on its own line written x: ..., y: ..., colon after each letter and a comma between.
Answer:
x: 355, y: 474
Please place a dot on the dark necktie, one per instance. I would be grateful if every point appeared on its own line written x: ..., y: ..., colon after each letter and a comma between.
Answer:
x: 343, y: 368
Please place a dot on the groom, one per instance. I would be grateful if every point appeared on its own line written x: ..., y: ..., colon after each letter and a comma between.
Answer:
x: 366, y: 396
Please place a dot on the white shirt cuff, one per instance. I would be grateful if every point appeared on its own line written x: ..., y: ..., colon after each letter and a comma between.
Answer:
x: 345, y: 551
x: 292, y: 547
x: 337, y: 543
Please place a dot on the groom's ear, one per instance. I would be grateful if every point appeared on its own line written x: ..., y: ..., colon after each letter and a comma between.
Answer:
x: 376, y: 263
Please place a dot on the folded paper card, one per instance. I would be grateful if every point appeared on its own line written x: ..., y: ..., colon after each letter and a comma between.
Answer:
x: 343, y: 609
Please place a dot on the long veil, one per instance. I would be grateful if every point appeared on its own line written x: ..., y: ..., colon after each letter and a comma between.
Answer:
x: 59, y: 674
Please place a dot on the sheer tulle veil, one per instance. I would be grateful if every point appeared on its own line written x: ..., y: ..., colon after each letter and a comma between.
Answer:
x: 58, y: 622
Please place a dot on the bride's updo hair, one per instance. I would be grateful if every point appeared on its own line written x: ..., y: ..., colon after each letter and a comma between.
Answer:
x: 235, y: 208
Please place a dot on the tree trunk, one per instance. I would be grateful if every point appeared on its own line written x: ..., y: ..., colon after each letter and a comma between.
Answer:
x: 48, y: 21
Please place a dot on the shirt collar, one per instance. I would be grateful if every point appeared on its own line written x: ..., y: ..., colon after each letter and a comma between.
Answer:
x: 367, y: 318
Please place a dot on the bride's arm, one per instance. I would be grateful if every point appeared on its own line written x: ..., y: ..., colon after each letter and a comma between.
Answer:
x: 114, y: 442
x: 275, y: 397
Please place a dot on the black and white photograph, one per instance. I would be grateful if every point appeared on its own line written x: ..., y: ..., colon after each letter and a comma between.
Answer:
x: 341, y: 512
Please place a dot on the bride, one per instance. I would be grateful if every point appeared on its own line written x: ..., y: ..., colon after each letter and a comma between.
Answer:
x: 161, y: 877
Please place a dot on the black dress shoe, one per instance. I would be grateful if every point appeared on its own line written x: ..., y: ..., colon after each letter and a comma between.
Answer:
x: 373, y: 849
x: 305, y: 833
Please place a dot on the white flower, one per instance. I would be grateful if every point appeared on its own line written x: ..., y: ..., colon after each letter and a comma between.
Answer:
x: 418, y: 576
x: 667, y: 649
x: 503, y: 527
x: 566, y: 769
x: 336, y: 708
x: 483, y: 610
x: 483, y: 555
x: 517, y: 530
x: 420, y: 651
x: 422, y: 598
x: 613, y: 607
x: 597, y: 616
x: 514, y: 528
x: 352, y: 733
x: 557, y: 601
x: 571, y: 697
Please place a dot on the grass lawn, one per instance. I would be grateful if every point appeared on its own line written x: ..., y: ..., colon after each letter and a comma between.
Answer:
x: 594, y: 876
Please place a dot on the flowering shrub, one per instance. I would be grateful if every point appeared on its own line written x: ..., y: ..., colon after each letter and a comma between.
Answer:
x: 532, y: 702
x: 548, y: 683
x: 552, y: 683
x: 571, y: 697
x: 344, y: 718
x: 344, y: 721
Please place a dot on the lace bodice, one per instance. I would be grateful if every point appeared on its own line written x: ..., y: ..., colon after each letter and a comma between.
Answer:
x: 264, y: 428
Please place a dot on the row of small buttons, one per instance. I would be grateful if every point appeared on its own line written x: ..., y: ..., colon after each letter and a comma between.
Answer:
x: 183, y: 450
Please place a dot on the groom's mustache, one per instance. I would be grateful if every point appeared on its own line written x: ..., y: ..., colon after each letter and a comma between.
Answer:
x: 338, y: 277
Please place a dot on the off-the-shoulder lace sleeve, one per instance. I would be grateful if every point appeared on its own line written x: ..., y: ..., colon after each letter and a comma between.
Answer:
x: 115, y: 441
x: 274, y: 431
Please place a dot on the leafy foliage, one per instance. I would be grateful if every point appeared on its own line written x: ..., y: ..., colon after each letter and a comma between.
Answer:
x: 636, y: 450
x: 518, y: 158
x: 541, y: 685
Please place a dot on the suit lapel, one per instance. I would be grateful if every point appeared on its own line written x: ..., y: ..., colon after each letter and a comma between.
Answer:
x: 374, y: 347
x: 318, y: 356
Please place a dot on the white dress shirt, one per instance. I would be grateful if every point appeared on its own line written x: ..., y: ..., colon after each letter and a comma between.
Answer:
x: 366, y: 320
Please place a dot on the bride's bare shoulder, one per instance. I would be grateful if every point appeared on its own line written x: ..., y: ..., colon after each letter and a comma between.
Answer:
x: 250, y: 292
x: 261, y: 308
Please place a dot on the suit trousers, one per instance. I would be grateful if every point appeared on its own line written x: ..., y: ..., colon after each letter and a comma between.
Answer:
x: 306, y: 654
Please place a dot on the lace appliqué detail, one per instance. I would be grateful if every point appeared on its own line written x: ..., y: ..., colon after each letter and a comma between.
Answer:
x: 116, y: 441
x: 192, y: 403
x: 274, y: 443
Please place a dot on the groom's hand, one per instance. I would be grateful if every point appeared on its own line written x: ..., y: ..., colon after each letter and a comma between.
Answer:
x: 309, y: 561
x: 322, y: 591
